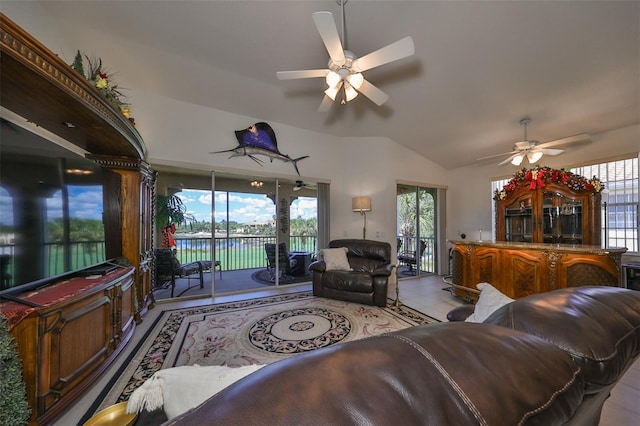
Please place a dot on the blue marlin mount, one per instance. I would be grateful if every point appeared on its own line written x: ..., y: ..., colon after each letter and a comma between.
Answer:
x: 260, y: 139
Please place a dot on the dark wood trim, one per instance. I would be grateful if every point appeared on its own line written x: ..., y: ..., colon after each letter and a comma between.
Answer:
x: 32, y: 72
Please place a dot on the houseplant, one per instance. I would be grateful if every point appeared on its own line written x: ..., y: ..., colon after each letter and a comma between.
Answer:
x: 14, y: 409
x: 171, y: 209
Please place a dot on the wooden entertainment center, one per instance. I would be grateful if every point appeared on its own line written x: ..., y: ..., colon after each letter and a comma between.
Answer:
x: 70, y: 328
x: 548, y: 236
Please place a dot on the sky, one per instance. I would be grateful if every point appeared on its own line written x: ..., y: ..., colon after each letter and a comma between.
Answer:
x: 243, y: 208
x: 85, y: 202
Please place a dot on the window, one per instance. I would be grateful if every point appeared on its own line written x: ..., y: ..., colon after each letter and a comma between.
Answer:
x: 619, y: 200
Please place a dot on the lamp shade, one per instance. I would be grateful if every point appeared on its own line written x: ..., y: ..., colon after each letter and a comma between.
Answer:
x: 533, y: 157
x: 361, y: 204
x: 332, y: 79
x: 517, y: 160
x: 332, y: 92
x: 349, y: 92
x: 356, y: 80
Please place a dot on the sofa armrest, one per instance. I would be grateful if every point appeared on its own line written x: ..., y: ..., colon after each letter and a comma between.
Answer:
x: 383, y: 270
x: 460, y: 313
x: 318, y: 266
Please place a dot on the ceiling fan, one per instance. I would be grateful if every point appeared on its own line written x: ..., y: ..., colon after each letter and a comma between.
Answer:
x: 534, y: 150
x: 344, y: 73
x: 301, y: 185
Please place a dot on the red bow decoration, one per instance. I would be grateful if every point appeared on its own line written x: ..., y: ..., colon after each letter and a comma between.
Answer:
x: 536, y: 178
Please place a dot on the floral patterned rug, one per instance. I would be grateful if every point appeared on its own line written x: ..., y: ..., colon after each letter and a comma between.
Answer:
x: 256, y: 331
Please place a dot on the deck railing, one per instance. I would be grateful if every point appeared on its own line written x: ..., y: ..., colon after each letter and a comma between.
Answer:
x: 238, y: 252
x: 53, y: 259
x: 427, y: 262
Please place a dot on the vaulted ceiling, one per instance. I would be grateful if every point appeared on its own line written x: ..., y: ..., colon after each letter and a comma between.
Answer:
x: 479, y: 66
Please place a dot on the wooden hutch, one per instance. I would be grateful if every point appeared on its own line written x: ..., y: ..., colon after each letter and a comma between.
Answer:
x: 548, y: 236
x: 71, y: 331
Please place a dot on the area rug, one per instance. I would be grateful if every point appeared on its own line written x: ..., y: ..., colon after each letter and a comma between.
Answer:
x: 263, y: 276
x: 256, y: 331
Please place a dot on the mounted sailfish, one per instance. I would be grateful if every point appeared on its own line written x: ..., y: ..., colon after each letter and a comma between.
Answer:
x: 260, y: 139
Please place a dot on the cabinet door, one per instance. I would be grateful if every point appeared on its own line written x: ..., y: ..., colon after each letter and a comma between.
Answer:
x: 485, y: 267
x: 517, y: 218
x: 562, y: 218
x: 582, y: 269
x: 76, y: 338
x: 525, y: 272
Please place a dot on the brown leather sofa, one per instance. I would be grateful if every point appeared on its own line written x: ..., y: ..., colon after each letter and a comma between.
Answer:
x: 546, y: 359
x: 366, y: 283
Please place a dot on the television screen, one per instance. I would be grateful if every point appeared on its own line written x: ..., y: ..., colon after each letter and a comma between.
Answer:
x: 52, y: 203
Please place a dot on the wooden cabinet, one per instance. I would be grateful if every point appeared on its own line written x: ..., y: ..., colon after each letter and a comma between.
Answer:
x: 68, y: 339
x: 553, y: 213
x: 65, y: 345
x: 134, y: 222
x: 522, y: 269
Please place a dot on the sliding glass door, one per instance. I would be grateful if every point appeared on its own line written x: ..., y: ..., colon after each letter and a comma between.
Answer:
x: 183, y: 198
x: 266, y: 231
x: 255, y: 232
x: 245, y: 226
x: 416, y: 230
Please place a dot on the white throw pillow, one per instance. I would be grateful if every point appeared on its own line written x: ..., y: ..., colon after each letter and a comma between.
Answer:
x: 180, y: 389
x: 335, y: 259
x: 489, y: 301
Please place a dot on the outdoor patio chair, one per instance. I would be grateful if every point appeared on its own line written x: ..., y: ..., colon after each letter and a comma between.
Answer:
x: 285, y: 262
x: 168, y: 268
x: 411, y: 258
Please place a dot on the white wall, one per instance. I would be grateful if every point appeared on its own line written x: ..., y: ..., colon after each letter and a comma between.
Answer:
x: 177, y: 133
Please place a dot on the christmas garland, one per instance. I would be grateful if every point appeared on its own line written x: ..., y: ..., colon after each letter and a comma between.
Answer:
x: 538, y: 177
x: 102, y: 81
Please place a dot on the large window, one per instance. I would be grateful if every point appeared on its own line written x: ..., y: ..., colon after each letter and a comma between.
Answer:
x: 620, y: 203
x: 619, y: 200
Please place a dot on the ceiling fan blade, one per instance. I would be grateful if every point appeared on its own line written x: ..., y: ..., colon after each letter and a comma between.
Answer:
x: 550, y: 151
x: 398, y: 50
x: 372, y: 92
x: 292, y: 75
x: 583, y: 138
x: 325, y: 105
x: 330, y: 37
x: 497, y: 155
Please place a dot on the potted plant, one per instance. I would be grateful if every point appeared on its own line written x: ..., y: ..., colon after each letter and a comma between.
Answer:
x: 171, y: 209
x: 14, y: 409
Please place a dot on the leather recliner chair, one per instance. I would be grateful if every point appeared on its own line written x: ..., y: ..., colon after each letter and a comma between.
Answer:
x: 366, y: 283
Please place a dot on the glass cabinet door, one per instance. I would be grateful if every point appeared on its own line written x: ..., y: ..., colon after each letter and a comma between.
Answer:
x: 518, y: 221
x: 562, y: 219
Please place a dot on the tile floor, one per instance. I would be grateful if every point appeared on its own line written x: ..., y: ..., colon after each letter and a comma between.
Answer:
x: 425, y: 294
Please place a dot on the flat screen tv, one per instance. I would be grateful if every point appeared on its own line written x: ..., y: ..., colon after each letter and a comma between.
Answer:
x: 52, y: 210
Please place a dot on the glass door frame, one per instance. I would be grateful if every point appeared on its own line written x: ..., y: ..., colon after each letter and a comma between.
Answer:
x: 434, y: 250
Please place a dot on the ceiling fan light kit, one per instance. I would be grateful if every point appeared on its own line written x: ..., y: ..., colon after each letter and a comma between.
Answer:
x: 534, y: 156
x: 344, y: 74
x: 517, y: 160
x: 534, y: 150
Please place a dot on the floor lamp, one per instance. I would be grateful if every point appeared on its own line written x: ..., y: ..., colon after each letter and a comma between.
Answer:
x: 362, y: 205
